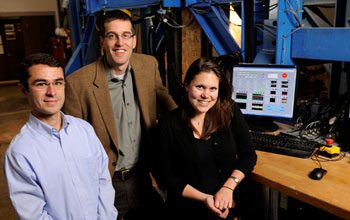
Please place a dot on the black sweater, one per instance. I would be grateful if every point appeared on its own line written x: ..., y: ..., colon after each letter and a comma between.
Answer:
x: 179, y: 156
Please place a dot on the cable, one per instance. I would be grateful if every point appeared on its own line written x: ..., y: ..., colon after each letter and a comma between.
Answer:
x: 200, y: 11
x: 144, y: 17
x: 266, y: 32
x: 284, y: 43
x: 262, y: 27
x: 293, y: 12
x: 166, y: 20
x: 316, y: 156
x: 298, y: 3
x: 271, y: 7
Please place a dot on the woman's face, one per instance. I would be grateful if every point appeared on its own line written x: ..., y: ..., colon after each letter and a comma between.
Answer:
x: 203, y: 91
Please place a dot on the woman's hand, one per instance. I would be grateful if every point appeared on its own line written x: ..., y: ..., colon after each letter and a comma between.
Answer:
x: 224, y: 213
x: 223, y: 199
x: 209, y: 202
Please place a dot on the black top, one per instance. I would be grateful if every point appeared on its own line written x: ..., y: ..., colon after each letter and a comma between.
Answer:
x: 180, y: 158
x: 208, y: 175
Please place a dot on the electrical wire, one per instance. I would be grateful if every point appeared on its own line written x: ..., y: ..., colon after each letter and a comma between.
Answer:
x: 293, y: 12
x: 284, y: 43
x: 272, y: 36
x: 316, y: 156
x: 271, y: 29
x: 174, y: 24
x: 200, y: 11
x: 271, y: 7
x: 298, y: 4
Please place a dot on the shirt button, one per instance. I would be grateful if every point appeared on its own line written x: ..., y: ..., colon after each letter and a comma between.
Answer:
x: 127, y: 104
x: 215, y: 143
x: 219, y: 171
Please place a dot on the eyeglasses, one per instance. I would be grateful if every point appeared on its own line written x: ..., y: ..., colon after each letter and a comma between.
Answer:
x: 113, y: 36
x: 42, y: 85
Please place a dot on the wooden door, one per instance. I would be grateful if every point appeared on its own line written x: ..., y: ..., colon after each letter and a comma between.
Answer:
x: 13, y: 50
x: 37, y: 33
x: 22, y: 36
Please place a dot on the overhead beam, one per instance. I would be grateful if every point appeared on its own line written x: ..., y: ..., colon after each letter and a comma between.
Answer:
x: 329, y: 44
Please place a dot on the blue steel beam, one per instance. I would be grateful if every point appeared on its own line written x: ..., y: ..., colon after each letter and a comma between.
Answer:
x: 75, y: 62
x: 206, y: 2
x: 215, y: 25
x: 172, y: 3
x: 329, y: 44
x: 288, y: 20
x: 90, y: 39
x: 82, y: 51
x: 93, y: 6
x: 265, y: 35
x: 76, y: 29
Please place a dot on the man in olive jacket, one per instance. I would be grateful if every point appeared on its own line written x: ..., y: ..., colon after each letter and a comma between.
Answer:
x: 118, y: 94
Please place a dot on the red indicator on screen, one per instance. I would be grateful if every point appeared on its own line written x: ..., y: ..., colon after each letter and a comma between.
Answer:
x: 284, y: 75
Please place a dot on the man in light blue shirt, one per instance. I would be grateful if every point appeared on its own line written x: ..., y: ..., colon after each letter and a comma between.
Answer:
x: 56, y: 167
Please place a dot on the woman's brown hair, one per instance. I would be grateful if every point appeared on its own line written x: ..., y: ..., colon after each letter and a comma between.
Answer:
x: 218, y: 118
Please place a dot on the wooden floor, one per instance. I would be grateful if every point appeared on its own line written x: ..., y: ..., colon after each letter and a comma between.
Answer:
x: 14, y: 112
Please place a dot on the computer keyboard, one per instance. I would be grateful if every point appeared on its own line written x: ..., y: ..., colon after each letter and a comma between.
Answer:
x: 285, y: 145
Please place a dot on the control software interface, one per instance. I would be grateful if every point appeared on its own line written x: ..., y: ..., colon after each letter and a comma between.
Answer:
x: 265, y: 90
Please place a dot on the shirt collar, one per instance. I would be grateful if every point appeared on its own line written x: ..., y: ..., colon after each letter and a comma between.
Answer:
x: 109, y: 73
x: 46, y: 129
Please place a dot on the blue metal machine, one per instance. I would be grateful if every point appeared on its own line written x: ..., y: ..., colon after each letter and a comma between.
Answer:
x: 283, y: 40
x: 83, y: 16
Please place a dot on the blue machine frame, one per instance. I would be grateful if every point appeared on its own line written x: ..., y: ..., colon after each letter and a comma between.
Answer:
x: 292, y: 40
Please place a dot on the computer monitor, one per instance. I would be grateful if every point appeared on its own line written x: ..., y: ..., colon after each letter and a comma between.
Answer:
x: 264, y: 92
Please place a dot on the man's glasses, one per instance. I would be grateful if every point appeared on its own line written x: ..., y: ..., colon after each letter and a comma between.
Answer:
x: 113, y: 36
x: 42, y: 85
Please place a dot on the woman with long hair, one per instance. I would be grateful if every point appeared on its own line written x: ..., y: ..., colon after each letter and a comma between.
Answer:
x: 204, y: 147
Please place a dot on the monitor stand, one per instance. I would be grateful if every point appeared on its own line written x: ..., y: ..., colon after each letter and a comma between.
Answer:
x: 261, y: 124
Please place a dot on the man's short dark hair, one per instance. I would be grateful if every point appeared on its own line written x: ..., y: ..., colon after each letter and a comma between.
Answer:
x: 107, y: 16
x: 34, y: 59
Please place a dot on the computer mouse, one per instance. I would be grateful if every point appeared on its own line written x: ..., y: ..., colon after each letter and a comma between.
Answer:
x: 317, y: 173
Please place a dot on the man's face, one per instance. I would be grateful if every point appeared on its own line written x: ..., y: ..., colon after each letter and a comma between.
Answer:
x: 45, y: 91
x: 118, y: 50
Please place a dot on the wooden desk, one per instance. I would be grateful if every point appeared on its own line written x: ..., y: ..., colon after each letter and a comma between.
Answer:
x: 289, y: 175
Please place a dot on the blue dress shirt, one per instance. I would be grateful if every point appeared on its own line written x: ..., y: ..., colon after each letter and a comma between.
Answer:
x: 59, y: 175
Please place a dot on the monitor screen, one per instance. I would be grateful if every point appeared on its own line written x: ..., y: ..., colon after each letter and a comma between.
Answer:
x: 265, y: 90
